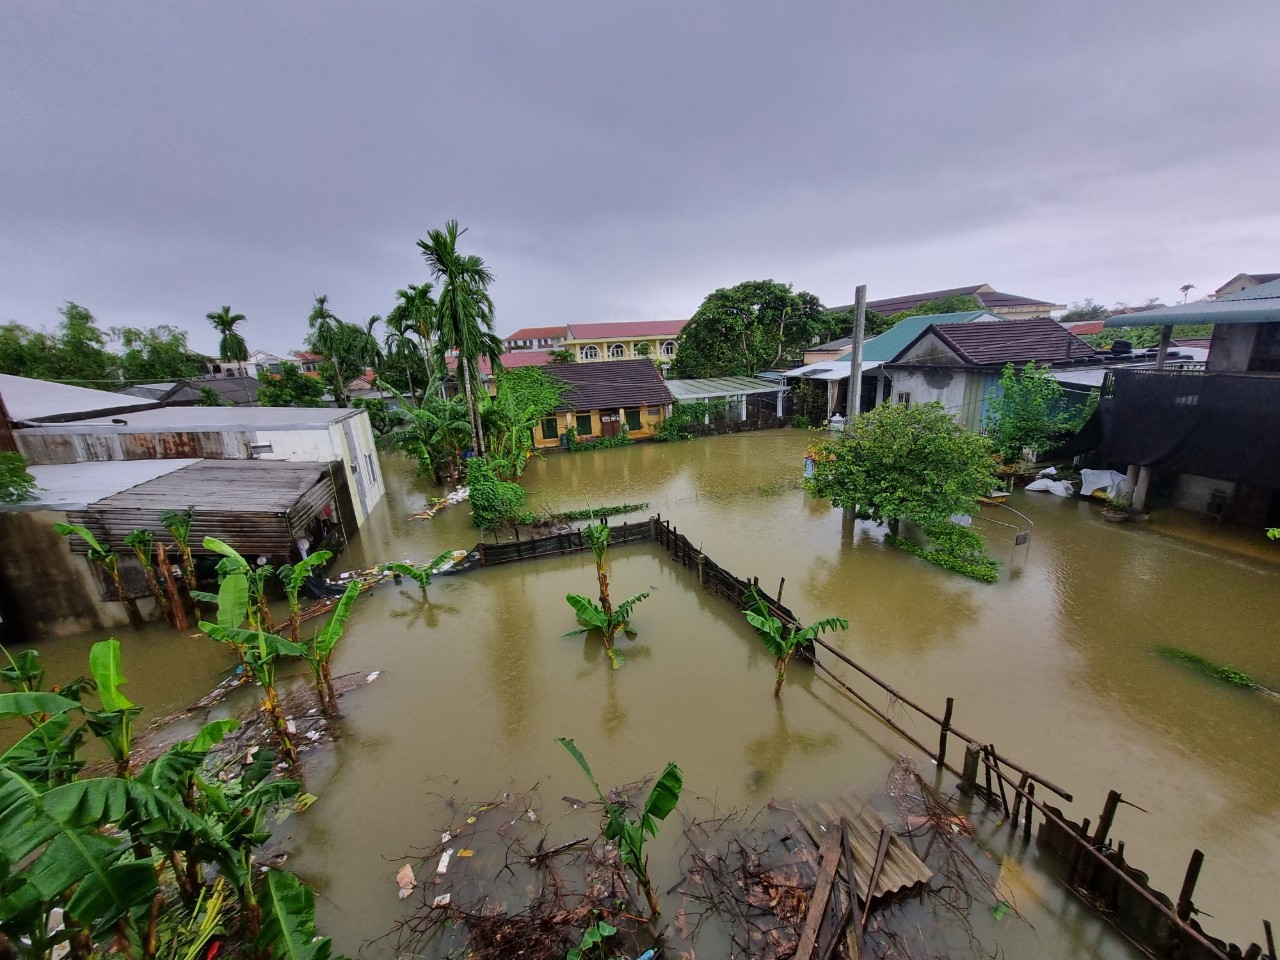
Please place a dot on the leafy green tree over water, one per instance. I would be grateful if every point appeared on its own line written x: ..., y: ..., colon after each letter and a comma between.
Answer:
x: 1029, y: 409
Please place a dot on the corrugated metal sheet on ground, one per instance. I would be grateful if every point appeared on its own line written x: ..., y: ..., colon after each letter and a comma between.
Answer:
x: 902, y: 869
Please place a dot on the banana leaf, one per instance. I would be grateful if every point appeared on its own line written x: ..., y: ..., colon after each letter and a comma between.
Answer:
x: 289, y: 920
x: 108, y: 673
x: 336, y: 625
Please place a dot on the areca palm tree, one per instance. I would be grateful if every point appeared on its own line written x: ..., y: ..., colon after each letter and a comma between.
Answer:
x: 464, y: 314
x: 231, y: 345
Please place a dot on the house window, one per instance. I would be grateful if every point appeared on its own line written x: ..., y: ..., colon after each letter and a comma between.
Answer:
x: 904, y: 398
x: 589, y: 352
x: 669, y: 348
x: 584, y: 424
x: 617, y: 352
x: 655, y: 411
x: 368, y: 459
x: 550, y: 429
x: 633, y: 419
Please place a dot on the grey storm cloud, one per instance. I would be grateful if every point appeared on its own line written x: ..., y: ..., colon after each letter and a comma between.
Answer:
x: 621, y: 160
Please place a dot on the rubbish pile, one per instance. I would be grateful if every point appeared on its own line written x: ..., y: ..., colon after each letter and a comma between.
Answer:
x: 442, y: 503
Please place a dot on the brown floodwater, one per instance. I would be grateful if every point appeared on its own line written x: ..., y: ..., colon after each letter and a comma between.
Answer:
x: 1055, y: 664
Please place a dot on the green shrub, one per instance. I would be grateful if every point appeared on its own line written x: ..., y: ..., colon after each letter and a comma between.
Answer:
x: 494, y: 503
x: 574, y: 445
x: 801, y: 422
x: 16, y: 484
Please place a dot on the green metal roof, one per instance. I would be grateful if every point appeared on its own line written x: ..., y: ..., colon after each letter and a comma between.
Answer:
x: 1260, y: 304
x: 889, y: 344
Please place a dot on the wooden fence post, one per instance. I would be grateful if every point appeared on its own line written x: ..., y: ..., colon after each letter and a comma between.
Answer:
x: 969, y: 775
x: 1107, y: 818
x: 946, y: 724
x: 1185, y: 904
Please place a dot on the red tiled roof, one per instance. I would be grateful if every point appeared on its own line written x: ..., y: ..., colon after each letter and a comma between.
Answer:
x: 308, y: 357
x: 1009, y: 341
x: 510, y: 360
x: 537, y: 333
x: 635, y: 328
x: 612, y: 385
x: 1083, y: 327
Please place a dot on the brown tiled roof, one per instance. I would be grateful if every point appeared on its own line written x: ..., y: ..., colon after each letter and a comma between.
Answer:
x: 1010, y: 341
x: 537, y: 333
x: 609, y: 385
x: 634, y: 328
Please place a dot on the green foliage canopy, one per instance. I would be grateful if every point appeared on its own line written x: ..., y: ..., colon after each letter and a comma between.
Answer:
x: 290, y: 388
x: 1030, y: 409
x: 748, y: 328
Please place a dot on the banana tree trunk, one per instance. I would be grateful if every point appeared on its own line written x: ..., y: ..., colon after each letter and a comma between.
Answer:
x: 781, y: 665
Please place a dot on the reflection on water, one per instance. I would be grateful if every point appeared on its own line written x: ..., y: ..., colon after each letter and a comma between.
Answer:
x: 1055, y: 665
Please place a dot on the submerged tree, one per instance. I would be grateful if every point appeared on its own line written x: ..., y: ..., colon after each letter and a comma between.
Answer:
x: 783, y: 641
x: 629, y: 834
x: 1030, y: 410
x: 143, y: 545
x: 610, y: 621
x: 915, y: 463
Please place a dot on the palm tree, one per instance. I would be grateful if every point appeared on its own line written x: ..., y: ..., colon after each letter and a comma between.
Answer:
x: 231, y: 346
x: 1186, y: 288
x: 326, y: 333
x: 464, y: 314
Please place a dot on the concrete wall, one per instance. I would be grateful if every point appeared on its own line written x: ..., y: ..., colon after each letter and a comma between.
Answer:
x: 1231, y: 347
x: 45, y: 589
x: 925, y: 386
x: 628, y: 343
x: 1192, y: 492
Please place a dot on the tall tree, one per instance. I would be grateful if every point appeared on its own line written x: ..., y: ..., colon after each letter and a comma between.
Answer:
x: 231, y: 345
x: 747, y: 329
x: 408, y: 339
x: 348, y: 348
x: 464, y: 315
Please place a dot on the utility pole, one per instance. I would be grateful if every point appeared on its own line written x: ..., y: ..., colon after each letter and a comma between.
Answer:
x: 855, y: 355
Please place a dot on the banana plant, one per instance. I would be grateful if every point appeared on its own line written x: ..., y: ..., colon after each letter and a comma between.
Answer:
x: 49, y: 753
x: 178, y: 523
x: 259, y: 651
x: 233, y: 597
x: 293, y: 576
x: 143, y: 545
x: 113, y: 723
x: 109, y: 560
x: 322, y: 644
x: 418, y: 573
x: 608, y: 622
x: 631, y: 835
x: 781, y: 641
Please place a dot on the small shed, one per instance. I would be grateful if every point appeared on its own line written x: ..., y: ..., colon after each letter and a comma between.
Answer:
x: 47, y: 588
x: 741, y: 392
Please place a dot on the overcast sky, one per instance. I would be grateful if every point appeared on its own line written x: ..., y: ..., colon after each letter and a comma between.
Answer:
x: 618, y: 161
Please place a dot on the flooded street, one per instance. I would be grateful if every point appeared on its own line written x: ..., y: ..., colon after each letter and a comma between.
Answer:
x: 1055, y: 665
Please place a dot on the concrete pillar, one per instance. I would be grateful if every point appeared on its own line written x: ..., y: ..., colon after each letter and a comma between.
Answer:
x: 1139, y: 501
x: 1130, y: 481
x: 779, y: 395
x: 1166, y: 334
x: 744, y: 406
x: 879, y: 386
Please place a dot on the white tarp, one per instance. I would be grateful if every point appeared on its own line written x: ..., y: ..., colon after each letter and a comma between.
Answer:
x: 1059, y: 488
x: 1109, y: 480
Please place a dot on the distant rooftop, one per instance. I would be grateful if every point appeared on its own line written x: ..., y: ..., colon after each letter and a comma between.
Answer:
x: 166, y: 419
x: 984, y: 293
x: 612, y: 385
x: 29, y: 399
x: 1257, y: 304
x: 538, y: 333
x: 635, y: 328
x: 1010, y: 341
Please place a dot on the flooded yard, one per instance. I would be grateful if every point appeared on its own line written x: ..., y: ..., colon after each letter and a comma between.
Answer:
x: 1055, y: 664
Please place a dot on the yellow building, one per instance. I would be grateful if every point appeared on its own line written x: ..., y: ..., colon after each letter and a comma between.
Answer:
x: 619, y: 341
x: 600, y: 401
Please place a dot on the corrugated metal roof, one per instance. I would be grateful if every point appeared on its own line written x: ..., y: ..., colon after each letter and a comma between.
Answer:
x: 699, y: 388
x: 609, y: 385
x: 178, y: 419
x: 72, y: 486
x: 1260, y: 304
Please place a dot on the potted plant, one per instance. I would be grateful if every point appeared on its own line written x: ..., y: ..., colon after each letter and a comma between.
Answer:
x: 1117, y: 510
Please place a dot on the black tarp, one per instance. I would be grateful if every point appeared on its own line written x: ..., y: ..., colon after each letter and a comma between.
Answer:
x: 1220, y: 425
